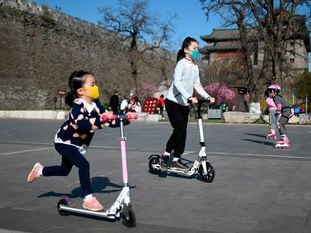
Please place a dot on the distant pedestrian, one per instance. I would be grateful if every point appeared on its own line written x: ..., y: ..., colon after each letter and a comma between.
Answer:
x: 161, y: 104
x: 134, y: 104
x: 114, y: 102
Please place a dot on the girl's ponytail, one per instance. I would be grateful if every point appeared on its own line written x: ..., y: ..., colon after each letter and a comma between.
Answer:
x: 181, y: 54
x: 70, y: 97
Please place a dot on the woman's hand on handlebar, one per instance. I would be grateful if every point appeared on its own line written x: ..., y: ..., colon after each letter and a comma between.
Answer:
x: 193, y: 100
x: 211, y: 100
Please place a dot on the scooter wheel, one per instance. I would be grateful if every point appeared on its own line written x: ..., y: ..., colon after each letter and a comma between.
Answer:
x: 154, y: 164
x: 209, y: 177
x: 129, y: 218
x: 62, y: 212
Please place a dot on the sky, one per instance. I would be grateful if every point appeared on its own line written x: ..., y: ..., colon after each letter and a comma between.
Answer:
x: 190, y: 21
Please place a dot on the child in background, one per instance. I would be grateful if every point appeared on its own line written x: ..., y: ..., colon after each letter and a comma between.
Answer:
x: 134, y: 104
x: 272, y: 119
x: 75, y: 135
x: 283, y: 114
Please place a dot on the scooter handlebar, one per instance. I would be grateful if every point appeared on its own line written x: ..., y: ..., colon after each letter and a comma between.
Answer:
x: 131, y: 116
x: 202, y: 101
x: 108, y: 117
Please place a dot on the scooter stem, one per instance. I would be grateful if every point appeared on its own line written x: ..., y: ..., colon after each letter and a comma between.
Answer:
x: 123, y: 154
x: 200, y: 124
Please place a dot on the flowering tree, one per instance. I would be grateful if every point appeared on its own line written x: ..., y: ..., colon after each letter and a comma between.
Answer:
x: 146, y: 90
x: 221, y: 92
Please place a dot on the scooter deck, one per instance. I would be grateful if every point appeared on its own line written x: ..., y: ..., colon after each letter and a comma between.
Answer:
x: 69, y: 207
x: 177, y: 170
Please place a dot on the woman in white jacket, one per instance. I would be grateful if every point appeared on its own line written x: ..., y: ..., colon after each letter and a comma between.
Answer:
x: 180, y: 94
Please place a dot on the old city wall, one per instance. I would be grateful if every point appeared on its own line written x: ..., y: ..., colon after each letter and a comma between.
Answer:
x: 40, y: 47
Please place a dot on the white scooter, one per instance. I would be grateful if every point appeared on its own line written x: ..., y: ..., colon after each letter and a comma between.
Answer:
x: 201, y: 165
x: 122, y: 205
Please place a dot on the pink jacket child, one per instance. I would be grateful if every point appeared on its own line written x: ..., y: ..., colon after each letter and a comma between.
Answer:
x: 271, y: 106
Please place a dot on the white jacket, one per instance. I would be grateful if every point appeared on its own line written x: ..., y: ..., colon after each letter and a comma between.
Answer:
x: 186, y: 78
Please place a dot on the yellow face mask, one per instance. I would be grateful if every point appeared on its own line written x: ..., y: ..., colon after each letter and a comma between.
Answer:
x: 93, y: 92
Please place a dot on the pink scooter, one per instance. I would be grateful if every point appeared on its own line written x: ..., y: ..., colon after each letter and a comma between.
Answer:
x: 122, y: 205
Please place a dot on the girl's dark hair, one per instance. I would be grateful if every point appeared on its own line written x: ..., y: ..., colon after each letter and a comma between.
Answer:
x: 185, y: 44
x: 76, y: 81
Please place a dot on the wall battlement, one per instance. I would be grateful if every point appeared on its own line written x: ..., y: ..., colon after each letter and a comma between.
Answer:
x: 60, y: 18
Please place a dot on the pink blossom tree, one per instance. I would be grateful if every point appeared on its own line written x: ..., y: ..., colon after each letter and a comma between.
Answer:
x: 146, y: 90
x: 221, y: 92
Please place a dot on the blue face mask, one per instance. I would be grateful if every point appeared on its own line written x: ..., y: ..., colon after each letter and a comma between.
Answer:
x: 195, y: 54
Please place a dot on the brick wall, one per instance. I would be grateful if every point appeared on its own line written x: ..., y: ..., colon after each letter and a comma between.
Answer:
x: 41, y: 47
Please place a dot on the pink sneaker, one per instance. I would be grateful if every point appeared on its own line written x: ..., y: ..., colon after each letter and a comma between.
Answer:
x: 35, y: 172
x: 92, y: 204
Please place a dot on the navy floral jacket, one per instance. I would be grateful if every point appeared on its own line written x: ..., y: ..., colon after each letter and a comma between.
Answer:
x: 81, y: 124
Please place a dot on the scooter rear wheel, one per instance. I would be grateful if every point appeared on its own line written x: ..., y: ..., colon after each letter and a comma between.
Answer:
x: 209, y: 177
x: 154, y: 164
x: 62, y: 212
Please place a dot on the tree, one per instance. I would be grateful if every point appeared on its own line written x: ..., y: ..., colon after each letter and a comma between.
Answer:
x: 146, y: 90
x: 302, y: 88
x: 221, y: 92
x: 274, y: 23
x: 141, y: 33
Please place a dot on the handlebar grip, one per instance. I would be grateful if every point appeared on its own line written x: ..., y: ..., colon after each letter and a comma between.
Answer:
x: 131, y: 115
x: 204, y: 101
x: 108, y: 117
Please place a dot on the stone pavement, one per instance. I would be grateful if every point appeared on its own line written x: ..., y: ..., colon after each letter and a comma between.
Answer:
x: 257, y: 188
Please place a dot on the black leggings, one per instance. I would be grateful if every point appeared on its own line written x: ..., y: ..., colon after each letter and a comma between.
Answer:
x: 71, y: 156
x: 178, y: 116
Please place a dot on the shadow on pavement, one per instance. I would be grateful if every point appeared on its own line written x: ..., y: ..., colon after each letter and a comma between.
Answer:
x: 99, y: 184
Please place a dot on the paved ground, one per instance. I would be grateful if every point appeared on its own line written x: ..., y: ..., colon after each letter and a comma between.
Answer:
x: 257, y: 189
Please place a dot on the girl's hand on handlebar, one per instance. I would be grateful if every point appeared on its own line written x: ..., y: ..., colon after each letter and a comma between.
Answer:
x: 107, y: 117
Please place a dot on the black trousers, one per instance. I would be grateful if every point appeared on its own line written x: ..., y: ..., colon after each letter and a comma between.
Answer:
x: 178, y: 116
x: 71, y: 157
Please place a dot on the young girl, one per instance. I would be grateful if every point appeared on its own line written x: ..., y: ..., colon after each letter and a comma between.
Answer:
x: 272, y: 119
x: 283, y: 114
x: 75, y: 135
x: 185, y: 79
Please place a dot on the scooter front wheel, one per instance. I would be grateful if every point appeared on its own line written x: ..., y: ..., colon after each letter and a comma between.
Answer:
x: 128, y: 217
x: 154, y: 164
x: 209, y: 177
